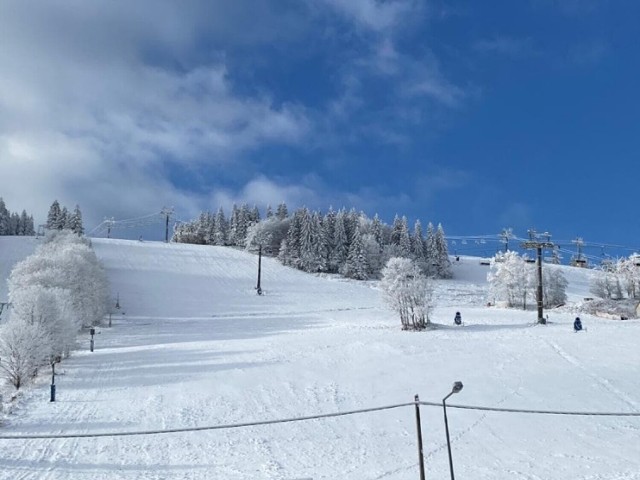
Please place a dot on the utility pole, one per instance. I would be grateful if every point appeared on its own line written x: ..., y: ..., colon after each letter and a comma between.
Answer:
x: 167, y: 212
x: 534, y: 243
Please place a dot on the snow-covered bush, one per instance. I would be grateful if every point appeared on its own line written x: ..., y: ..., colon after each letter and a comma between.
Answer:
x: 408, y: 292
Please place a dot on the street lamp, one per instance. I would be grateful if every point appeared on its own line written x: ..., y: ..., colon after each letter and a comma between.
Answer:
x: 54, y: 360
x: 457, y: 386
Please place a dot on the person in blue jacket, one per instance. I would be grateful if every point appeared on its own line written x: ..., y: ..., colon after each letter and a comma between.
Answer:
x: 577, y: 324
x: 457, y: 319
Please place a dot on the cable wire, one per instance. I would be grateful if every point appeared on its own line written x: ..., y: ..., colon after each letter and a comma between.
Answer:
x: 313, y: 417
x: 538, y: 412
x: 199, y: 429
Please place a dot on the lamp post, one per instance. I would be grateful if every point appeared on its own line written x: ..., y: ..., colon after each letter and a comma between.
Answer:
x: 92, y: 332
x: 259, y: 287
x: 457, y: 386
x: 54, y: 360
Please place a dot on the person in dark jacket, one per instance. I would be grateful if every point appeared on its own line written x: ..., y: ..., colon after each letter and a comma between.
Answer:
x: 577, y: 325
x: 457, y: 319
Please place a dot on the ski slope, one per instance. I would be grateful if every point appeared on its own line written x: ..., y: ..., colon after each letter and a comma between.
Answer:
x: 193, y: 345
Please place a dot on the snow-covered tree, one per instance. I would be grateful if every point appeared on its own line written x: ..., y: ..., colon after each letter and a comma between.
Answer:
x: 356, y: 265
x: 282, y: 211
x: 441, y: 260
x: 4, y: 218
x: 75, y: 221
x: 511, y: 280
x: 340, y: 243
x: 554, y: 286
x: 54, y: 292
x: 221, y: 228
x: 408, y: 292
x: 23, y: 348
x: 606, y: 284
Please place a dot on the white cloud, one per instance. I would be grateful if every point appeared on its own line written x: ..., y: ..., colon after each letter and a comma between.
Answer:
x: 90, y: 113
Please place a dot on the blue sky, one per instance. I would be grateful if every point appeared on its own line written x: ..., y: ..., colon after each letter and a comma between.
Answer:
x: 477, y: 115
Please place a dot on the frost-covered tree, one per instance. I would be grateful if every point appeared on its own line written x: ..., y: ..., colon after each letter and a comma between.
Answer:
x: 554, y: 286
x: 340, y: 243
x: 4, y: 218
x: 221, y: 228
x: 606, y: 284
x: 356, y: 265
x: 269, y: 233
x: 418, y: 246
x: 400, y: 236
x: 54, y: 217
x: 629, y: 272
x: 282, y: 212
x: 23, y: 348
x: 443, y: 264
x: 511, y: 280
x: 64, y: 219
x: 430, y: 251
x: 75, y: 221
x: 54, y: 292
x: 290, y: 248
x: 408, y: 292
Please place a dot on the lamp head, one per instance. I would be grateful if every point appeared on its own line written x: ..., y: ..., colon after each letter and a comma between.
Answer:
x: 457, y: 386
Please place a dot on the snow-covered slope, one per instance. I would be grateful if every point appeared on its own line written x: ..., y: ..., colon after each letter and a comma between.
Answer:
x: 196, y: 346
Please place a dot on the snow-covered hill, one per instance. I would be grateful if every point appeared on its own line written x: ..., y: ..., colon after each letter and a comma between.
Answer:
x: 196, y: 346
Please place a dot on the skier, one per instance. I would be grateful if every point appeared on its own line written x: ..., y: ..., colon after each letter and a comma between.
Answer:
x: 577, y: 325
x: 458, y: 319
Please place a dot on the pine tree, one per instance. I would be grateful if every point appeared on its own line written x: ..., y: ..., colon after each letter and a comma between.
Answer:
x: 75, y: 222
x: 431, y: 253
x: 4, y: 218
x: 328, y: 235
x: 64, y: 219
x: 340, y: 243
x: 24, y: 223
x: 356, y: 264
x: 221, y: 228
x: 442, y: 254
x: 54, y: 217
x: 282, y: 211
x: 14, y: 223
x: 269, y: 213
x: 376, y: 230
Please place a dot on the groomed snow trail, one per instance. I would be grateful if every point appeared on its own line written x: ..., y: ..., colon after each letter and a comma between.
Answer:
x: 196, y: 346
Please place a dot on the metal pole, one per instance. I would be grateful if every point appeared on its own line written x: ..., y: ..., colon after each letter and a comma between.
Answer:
x: 419, y: 431
x: 446, y: 428
x: 166, y: 229
x: 541, y: 318
x: 258, y: 288
x: 53, y: 382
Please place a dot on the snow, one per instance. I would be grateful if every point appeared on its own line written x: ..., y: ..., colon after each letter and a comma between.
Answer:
x: 193, y: 345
